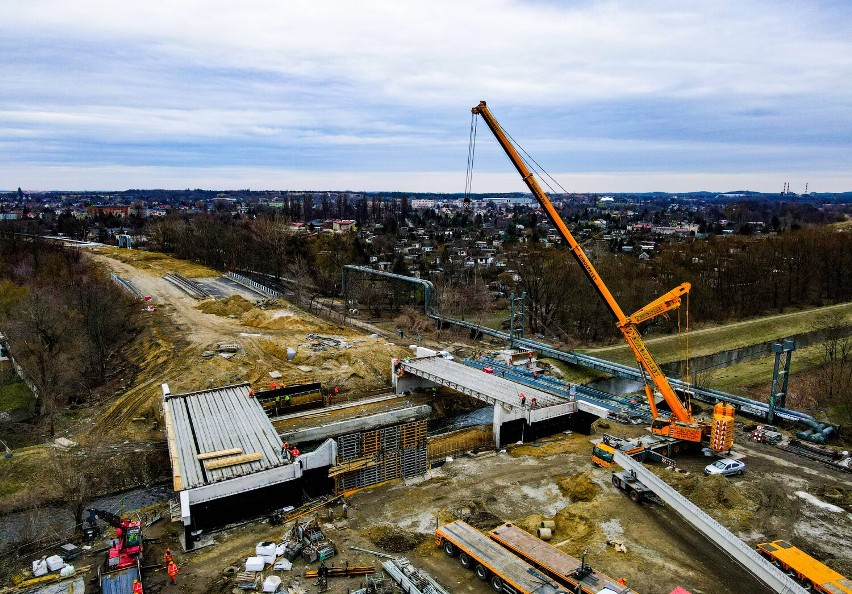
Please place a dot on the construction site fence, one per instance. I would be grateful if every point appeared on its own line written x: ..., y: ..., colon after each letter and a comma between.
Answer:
x: 17, y: 366
x: 460, y: 442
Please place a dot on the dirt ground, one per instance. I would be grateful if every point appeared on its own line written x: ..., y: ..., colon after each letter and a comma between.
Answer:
x: 182, y: 328
x: 780, y: 495
x: 554, y: 479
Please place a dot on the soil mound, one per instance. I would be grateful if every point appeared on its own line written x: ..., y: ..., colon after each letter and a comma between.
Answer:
x: 578, y: 487
x: 279, y: 320
x: 232, y: 306
x: 393, y: 539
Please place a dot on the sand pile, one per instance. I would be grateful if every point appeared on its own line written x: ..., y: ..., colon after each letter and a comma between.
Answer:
x: 578, y: 487
x: 280, y: 320
x: 393, y: 539
x: 551, y: 446
x: 232, y: 306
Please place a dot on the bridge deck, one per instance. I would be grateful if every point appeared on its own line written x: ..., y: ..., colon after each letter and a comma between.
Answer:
x: 478, y: 384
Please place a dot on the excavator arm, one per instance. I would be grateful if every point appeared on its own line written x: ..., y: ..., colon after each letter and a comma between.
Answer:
x: 688, y: 428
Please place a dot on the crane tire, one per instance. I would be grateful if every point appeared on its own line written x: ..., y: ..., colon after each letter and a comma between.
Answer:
x: 481, y: 572
x: 615, y: 482
x: 465, y: 560
x: 496, y: 583
x: 449, y: 548
x: 634, y: 496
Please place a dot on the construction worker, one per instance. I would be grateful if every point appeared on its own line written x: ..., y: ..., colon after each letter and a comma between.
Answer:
x: 167, y: 557
x: 523, y: 398
x: 277, y: 402
x: 287, y: 401
x: 533, y: 402
x: 137, y: 587
x: 173, y: 571
x: 285, y: 449
x: 622, y: 581
x: 251, y: 392
x: 294, y: 452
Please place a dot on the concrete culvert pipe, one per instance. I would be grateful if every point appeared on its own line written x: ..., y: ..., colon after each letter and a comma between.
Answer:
x: 548, y: 524
x: 545, y: 533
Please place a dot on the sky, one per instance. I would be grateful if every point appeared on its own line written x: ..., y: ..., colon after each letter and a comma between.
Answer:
x: 376, y: 95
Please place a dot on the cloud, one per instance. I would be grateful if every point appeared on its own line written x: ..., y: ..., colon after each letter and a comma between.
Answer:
x: 332, y: 86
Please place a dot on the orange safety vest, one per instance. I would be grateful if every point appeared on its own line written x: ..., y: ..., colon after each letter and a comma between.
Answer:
x: 295, y: 452
x: 137, y: 588
x: 173, y: 570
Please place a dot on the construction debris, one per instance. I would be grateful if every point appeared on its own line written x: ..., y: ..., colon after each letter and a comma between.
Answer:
x: 346, y: 571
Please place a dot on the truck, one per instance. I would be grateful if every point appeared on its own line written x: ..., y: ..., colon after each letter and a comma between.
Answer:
x: 810, y: 573
x: 655, y: 448
x: 627, y: 481
x: 492, y: 563
x: 575, y: 574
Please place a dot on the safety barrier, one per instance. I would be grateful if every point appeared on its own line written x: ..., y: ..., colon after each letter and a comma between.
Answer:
x: 250, y: 284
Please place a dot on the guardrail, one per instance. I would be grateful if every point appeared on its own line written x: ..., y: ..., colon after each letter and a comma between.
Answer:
x: 190, y: 287
x: 126, y: 285
x: 253, y: 285
x: 739, y: 551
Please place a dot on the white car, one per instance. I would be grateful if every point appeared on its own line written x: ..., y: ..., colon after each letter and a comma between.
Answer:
x: 726, y: 466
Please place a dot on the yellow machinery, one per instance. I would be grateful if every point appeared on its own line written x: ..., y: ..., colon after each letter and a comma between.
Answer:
x: 680, y: 424
x: 813, y: 575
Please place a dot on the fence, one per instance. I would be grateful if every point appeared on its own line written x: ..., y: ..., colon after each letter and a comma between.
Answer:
x: 18, y: 369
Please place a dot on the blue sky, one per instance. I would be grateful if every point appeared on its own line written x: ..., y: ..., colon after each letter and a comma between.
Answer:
x: 376, y: 95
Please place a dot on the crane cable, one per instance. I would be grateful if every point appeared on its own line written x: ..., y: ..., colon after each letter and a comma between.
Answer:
x: 471, y: 154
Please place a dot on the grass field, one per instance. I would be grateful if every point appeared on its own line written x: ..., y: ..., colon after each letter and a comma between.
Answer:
x: 707, y: 341
x: 159, y: 262
x: 15, y: 395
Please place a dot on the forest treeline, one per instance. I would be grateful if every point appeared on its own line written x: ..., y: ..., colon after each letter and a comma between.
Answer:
x: 63, y: 318
x: 732, y: 277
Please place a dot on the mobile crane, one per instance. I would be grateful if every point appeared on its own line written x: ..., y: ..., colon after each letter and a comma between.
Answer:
x: 126, y: 547
x: 680, y: 425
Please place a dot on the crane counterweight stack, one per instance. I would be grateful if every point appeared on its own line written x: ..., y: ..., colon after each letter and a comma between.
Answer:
x: 680, y: 424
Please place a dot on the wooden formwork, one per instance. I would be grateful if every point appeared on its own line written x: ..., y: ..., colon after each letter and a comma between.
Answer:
x: 458, y: 442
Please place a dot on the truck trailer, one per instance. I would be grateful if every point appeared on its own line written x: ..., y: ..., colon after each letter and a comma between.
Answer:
x: 576, y: 575
x: 813, y: 575
x: 492, y: 563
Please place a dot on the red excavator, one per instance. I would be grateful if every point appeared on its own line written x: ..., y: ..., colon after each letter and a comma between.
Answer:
x: 126, y: 548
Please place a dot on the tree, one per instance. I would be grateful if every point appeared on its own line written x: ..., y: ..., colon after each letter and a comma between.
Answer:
x: 834, y: 378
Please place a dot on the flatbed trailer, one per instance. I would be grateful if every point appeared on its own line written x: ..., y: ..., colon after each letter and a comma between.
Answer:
x: 813, y: 575
x: 491, y: 562
x: 569, y: 571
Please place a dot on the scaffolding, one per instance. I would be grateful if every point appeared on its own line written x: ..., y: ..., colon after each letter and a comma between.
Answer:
x: 373, y: 457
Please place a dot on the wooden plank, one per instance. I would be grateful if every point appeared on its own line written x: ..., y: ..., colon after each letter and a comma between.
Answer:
x: 177, y: 479
x: 219, y: 453
x: 232, y: 461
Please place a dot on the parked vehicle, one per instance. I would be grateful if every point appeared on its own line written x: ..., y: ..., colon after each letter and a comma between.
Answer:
x: 726, y: 466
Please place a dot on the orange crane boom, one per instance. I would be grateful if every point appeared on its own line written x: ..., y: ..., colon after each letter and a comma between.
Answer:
x: 681, y: 425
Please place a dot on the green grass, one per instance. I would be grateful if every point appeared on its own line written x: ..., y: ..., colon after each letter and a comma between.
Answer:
x: 743, y: 377
x: 15, y: 395
x: 707, y: 341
